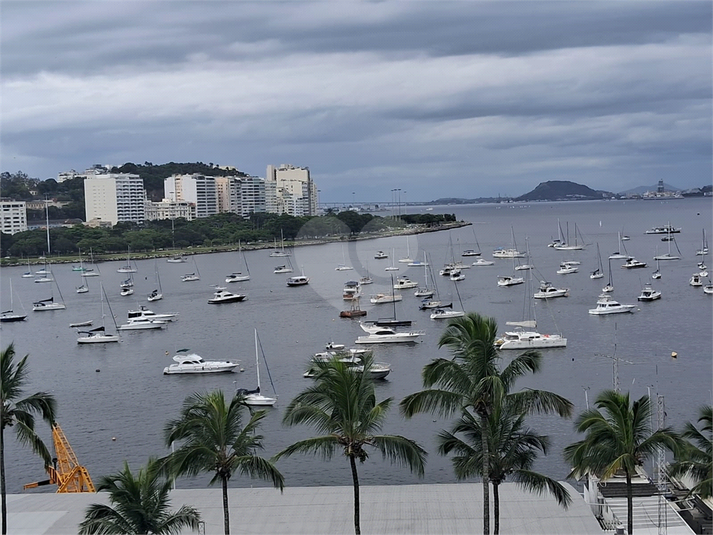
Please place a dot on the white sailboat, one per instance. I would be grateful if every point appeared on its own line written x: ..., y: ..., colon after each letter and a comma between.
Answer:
x: 281, y: 251
x: 50, y: 304
x: 157, y: 293
x: 84, y: 286
x: 195, y: 276
x: 392, y: 267
x: 669, y: 255
x: 343, y: 266
x: 254, y: 397
x: 618, y: 254
x: 407, y: 259
x: 704, y: 246
x: 444, y: 313
x: 564, y: 244
x: 99, y: 334
x: 610, y: 285
x: 599, y: 272
x: 10, y: 315
x: 128, y: 268
x: 92, y: 271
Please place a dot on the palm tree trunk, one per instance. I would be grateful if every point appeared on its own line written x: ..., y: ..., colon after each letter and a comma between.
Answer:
x: 486, y: 470
x: 496, y: 508
x: 629, y: 505
x: 355, y: 479
x: 3, y: 490
x: 226, y: 510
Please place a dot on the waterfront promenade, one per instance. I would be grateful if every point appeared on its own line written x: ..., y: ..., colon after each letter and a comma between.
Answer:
x: 385, y: 509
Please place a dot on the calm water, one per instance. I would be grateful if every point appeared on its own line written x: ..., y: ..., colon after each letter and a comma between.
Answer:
x: 117, y: 391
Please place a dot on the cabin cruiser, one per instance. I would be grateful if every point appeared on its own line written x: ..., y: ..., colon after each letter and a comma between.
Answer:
x: 470, y: 252
x: 142, y: 324
x: 443, y: 314
x: 145, y: 313
x: 457, y: 275
x: 380, y: 298
x: 521, y: 339
x: 632, y: 263
x: 96, y: 336
x: 507, y: 280
x: 380, y: 255
x: 299, y: 280
x: 366, y: 279
x: 695, y: 280
x: 224, y: 296
x: 189, y: 277
x: 483, y: 262
x: 607, y: 305
x: 649, y: 294
x: 283, y: 269
x: 237, y: 277
x: 381, y: 335
x: 186, y: 362
x: 548, y: 291
x: 567, y: 268
x: 508, y: 253
x: 427, y: 304
x: 667, y: 229
x: 353, y: 361
x: 404, y: 283
x: 352, y: 290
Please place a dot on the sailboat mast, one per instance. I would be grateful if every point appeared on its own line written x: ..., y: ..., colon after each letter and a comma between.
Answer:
x: 257, y: 362
x: 47, y: 224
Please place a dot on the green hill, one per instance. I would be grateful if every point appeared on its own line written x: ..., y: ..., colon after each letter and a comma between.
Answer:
x: 562, y: 190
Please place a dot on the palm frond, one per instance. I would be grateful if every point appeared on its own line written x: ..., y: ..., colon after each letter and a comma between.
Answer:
x: 402, y: 451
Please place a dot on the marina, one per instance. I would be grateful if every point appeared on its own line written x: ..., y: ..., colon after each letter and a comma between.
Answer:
x: 103, y: 388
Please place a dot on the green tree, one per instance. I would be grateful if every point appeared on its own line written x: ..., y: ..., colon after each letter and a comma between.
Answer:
x: 618, y: 439
x: 342, y: 407
x: 472, y: 380
x: 140, y: 504
x: 695, y: 457
x: 19, y: 412
x: 214, y: 440
x: 512, y: 447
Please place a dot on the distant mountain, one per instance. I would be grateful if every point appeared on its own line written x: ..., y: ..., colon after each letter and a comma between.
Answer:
x: 562, y: 190
x: 643, y: 189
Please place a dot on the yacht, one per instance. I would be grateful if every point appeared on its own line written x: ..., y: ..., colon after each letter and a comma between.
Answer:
x: 383, y: 335
x: 667, y: 229
x: 282, y: 269
x: 145, y: 313
x: 457, y: 275
x: 607, y: 305
x: 237, y: 277
x: 649, y: 294
x: 380, y: 255
x: 507, y: 280
x: 548, y: 291
x: 224, y: 296
x: 380, y: 298
x: 142, y: 324
x: 96, y: 336
x: 352, y: 358
x: 521, y: 339
x: 404, y: 283
x: 708, y: 288
x: 443, y: 314
x: 483, y: 262
x: 633, y: 263
x: 508, y: 253
x: 352, y: 290
x: 299, y: 280
x: 566, y: 268
x: 186, y: 362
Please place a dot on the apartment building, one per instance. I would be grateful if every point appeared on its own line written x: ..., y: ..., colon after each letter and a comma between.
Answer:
x: 13, y: 217
x: 115, y: 197
x: 197, y: 189
x: 167, y: 209
x: 290, y: 190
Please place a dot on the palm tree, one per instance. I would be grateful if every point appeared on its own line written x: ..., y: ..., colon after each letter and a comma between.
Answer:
x: 472, y: 380
x: 512, y: 449
x: 20, y: 413
x: 140, y: 505
x: 214, y: 440
x: 342, y: 407
x: 695, y: 457
x: 619, y: 439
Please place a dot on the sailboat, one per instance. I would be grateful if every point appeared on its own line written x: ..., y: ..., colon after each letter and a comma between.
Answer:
x: 92, y: 271
x: 44, y: 274
x: 656, y: 274
x: 435, y: 300
x: 99, y: 334
x: 440, y: 313
x: 610, y: 285
x: 50, y: 304
x: 564, y: 244
x: 128, y: 268
x: 343, y: 266
x: 424, y: 291
x: 392, y: 321
x: 281, y: 251
x: 27, y: 274
x: 668, y: 255
x: 599, y: 272
x: 127, y: 287
x: 157, y: 293
x: 407, y: 259
x: 704, y: 246
x: 238, y: 275
x: 392, y: 267
x: 618, y: 254
x: 285, y: 268
x: 83, y: 287
x: 512, y: 252
x: 473, y: 252
x: 195, y: 276
x: 10, y: 315
x: 254, y: 397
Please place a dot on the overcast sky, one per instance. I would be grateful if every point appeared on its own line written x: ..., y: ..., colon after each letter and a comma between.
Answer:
x: 437, y: 98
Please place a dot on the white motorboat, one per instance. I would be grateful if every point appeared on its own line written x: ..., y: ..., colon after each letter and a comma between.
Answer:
x: 607, y: 305
x: 299, y: 280
x: 522, y: 339
x: 649, y: 294
x: 383, y: 335
x: 253, y: 397
x: 142, y: 324
x: 332, y: 346
x: 354, y: 362
x: 96, y: 336
x: 186, y: 362
x: 178, y: 259
x: 457, y: 275
x: 352, y: 290
x: 381, y: 298
x: 567, y: 268
x: 508, y: 280
x: 145, y: 313
x: 282, y: 269
x: 695, y: 280
x: 445, y: 314
x: 667, y: 229
x: 366, y: 279
x: 633, y: 263
x: 125, y: 292
x: 470, y: 252
x: 47, y: 304
x: 508, y: 253
x: 224, y: 296
x: 548, y: 291
x: 190, y: 277
x: 342, y: 267
x: 404, y: 283
x: 708, y: 288
x: 447, y: 270
x: 380, y: 255
x: 483, y: 262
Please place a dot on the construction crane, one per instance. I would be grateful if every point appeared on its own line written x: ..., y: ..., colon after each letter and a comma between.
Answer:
x: 67, y: 473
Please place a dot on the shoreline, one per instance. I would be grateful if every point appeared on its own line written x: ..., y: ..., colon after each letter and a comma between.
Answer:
x: 199, y: 250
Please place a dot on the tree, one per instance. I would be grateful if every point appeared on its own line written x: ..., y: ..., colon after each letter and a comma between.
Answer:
x: 512, y: 448
x: 618, y: 440
x: 214, y: 440
x: 472, y: 380
x: 140, y: 504
x: 342, y: 407
x: 19, y: 413
x: 695, y: 458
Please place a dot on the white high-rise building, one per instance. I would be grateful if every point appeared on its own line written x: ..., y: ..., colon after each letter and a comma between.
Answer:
x: 290, y: 190
x: 252, y: 195
x: 13, y: 217
x: 166, y: 209
x: 228, y: 191
x: 196, y: 188
x: 115, y: 197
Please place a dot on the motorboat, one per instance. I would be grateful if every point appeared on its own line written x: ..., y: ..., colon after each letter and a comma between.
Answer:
x: 354, y: 312
x: 352, y: 290
x: 381, y: 298
x: 343, y: 267
x: 190, y: 277
x: 47, y: 304
x: 142, y: 324
x: 695, y: 280
x: 708, y: 288
x: 457, y: 275
x: 428, y: 304
x: 667, y: 229
x: 567, y: 268
x: 548, y: 291
x: 353, y: 361
x: 80, y: 324
x: 186, y: 362
x: 128, y: 283
x: 443, y: 314
x: 299, y: 280
x: 145, y: 313
x: 380, y: 255
x: 649, y: 294
x: 126, y: 292
x: 447, y: 270
x: 382, y: 335
x: 522, y: 339
x: 224, y: 296
x: 404, y: 283
x: 633, y: 263
x: 332, y: 346
x: 607, y: 305
x: 483, y: 262
x: 96, y: 336
x: 282, y: 269
x: 508, y: 280
x: 424, y: 292
x: 178, y: 259
x: 470, y: 252
x: 508, y: 253
x: 366, y: 279
x: 524, y: 267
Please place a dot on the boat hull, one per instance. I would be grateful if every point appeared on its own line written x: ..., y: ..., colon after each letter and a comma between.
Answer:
x: 100, y: 339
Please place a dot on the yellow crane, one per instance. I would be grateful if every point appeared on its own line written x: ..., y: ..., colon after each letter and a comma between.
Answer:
x: 67, y: 473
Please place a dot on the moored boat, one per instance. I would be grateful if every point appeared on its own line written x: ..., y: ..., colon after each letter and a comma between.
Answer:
x: 186, y: 362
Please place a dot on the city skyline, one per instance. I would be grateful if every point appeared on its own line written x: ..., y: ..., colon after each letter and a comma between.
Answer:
x: 434, y: 99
